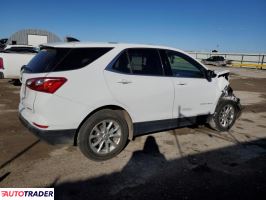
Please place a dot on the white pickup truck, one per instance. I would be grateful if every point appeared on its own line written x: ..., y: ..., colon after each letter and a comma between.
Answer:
x: 13, y: 57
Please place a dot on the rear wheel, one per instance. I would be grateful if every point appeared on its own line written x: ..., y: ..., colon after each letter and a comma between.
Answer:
x: 103, y: 135
x: 224, y: 116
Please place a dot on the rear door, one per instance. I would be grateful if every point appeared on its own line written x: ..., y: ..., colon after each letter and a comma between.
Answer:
x: 136, y: 80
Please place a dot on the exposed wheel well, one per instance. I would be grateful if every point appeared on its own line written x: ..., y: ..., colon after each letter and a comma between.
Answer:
x: 110, y: 107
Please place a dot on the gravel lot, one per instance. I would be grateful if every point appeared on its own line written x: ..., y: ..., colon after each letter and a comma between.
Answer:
x: 187, y: 163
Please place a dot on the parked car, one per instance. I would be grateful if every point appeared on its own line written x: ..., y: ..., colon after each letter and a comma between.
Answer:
x: 1, y: 69
x: 3, y: 42
x: 215, y: 60
x: 13, y: 57
x: 99, y: 96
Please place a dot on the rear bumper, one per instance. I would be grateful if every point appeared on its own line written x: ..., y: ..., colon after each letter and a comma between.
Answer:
x: 51, y: 136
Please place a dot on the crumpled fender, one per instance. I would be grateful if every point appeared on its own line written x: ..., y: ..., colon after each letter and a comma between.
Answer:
x: 228, y: 94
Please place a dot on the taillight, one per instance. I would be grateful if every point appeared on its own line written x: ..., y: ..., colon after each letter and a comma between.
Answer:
x: 40, y: 126
x: 45, y: 84
x: 1, y: 63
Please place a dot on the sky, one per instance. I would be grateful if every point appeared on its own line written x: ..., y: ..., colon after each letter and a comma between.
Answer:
x: 200, y: 25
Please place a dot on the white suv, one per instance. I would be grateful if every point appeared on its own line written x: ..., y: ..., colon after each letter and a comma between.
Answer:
x: 100, y: 95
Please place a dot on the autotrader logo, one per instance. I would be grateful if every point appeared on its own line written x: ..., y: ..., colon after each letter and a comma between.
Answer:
x: 27, y: 193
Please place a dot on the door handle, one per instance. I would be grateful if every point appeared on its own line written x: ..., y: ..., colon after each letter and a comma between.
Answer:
x: 181, y: 84
x: 123, y: 81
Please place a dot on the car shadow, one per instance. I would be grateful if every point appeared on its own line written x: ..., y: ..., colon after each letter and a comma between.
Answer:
x: 232, y: 172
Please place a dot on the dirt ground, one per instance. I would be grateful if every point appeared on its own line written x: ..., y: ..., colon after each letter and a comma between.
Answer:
x: 187, y: 163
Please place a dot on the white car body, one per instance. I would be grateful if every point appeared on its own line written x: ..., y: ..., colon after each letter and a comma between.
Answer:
x: 146, y: 99
x: 13, y: 61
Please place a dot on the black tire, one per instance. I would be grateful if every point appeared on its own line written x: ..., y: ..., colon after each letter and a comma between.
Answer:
x: 216, y: 121
x: 95, y: 124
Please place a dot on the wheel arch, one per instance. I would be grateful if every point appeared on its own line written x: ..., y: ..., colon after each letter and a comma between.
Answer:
x: 110, y: 107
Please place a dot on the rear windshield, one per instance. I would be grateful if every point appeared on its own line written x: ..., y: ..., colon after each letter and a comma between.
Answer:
x: 63, y: 59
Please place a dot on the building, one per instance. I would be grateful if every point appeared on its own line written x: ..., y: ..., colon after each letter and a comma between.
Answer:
x: 33, y: 37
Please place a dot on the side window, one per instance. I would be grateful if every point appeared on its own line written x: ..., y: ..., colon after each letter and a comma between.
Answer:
x: 145, y: 62
x: 79, y: 57
x: 182, y: 66
x: 122, y: 64
x: 63, y: 59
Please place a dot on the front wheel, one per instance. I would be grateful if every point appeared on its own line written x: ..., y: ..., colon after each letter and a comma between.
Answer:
x: 103, y: 135
x: 224, y: 116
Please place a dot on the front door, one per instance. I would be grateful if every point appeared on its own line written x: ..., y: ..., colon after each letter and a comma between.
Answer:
x: 194, y: 94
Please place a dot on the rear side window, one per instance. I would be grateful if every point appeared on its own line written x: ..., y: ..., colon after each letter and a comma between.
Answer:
x: 122, y: 64
x: 145, y: 61
x: 139, y: 61
x: 63, y: 59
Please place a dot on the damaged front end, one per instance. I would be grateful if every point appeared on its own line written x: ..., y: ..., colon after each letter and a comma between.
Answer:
x: 228, y: 94
x: 227, y: 91
x: 224, y: 115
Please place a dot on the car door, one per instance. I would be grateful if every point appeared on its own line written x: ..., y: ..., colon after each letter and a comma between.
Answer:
x: 194, y: 94
x: 136, y: 80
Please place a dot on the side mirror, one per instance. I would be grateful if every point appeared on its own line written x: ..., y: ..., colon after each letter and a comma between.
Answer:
x: 210, y: 74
